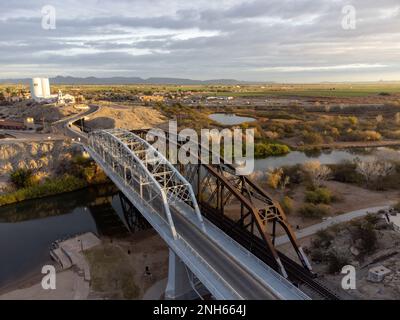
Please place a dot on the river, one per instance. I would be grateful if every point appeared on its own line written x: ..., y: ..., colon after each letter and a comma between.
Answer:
x: 299, y: 157
x: 229, y: 119
x: 325, y: 157
x: 28, y: 229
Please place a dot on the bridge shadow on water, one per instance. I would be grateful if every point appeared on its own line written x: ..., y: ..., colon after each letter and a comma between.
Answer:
x: 118, y: 218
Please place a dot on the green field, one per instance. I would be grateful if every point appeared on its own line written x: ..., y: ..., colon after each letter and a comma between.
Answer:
x: 302, y: 90
x: 316, y: 90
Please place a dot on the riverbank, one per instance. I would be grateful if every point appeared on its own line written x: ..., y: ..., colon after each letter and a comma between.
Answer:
x: 347, y: 145
x: 28, y: 228
x: 51, y: 187
x: 72, y: 280
x: 117, y: 271
x: 73, y: 173
x: 27, y: 281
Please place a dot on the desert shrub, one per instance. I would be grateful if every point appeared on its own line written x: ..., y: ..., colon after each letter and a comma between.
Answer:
x: 367, y: 135
x: 312, y: 138
x: 262, y: 150
x: 345, y: 172
x: 397, y: 206
x: 274, y: 178
x: 369, y: 238
x: 49, y: 187
x: 316, y: 173
x: 22, y: 178
x: 287, y: 204
x: 365, y: 235
x: 391, y: 134
x: 372, y: 218
x: 310, y: 210
x: 376, y: 173
x: 277, y: 179
x: 353, y: 120
x: 336, y: 261
x: 389, y: 182
x: 323, y: 239
x: 319, y: 195
x: 294, y: 173
x: 82, y: 168
x: 94, y: 175
x: 318, y: 255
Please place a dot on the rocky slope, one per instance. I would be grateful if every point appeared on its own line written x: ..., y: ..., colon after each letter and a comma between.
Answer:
x: 40, y: 156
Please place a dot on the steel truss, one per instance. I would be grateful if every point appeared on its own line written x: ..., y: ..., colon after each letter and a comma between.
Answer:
x: 225, y: 196
x: 146, y: 171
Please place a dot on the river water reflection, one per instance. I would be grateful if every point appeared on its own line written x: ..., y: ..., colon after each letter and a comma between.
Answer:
x: 324, y: 156
x: 229, y: 119
x: 28, y: 229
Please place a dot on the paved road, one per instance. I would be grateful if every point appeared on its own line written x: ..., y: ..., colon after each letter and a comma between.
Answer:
x: 61, y: 128
x: 330, y: 222
x: 64, y: 125
x: 237, y: 276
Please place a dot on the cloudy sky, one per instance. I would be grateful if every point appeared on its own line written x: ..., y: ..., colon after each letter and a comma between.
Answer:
x: 260, y: 40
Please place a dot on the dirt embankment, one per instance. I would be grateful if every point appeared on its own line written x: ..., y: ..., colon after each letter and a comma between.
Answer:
x: 48, y: 113
x: 126, y: 117
x: 40, y: 156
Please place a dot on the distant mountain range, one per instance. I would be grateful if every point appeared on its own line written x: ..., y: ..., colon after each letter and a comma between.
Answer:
x: 130, y: 80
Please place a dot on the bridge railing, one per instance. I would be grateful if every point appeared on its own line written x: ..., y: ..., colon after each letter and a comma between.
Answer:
x: 129, y: 168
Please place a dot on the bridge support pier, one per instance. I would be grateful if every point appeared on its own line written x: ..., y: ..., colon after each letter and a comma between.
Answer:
x: 179, y: 285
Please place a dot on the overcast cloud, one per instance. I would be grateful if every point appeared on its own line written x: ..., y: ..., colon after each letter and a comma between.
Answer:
x: 261, y: 40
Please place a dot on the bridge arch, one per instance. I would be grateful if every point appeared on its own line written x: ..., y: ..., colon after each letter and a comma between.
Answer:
x: 145, y: 170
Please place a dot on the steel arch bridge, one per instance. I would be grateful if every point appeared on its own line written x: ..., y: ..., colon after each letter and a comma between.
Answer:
x: 167, y: 200
x: 255, y: 215
x: 146, y: 171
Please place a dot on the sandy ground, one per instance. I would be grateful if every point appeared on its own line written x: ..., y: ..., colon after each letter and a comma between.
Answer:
x: 69, y: 286
x: 71, y: 280
x: 352, y: 198
x: 118, y: 266
x: 127, y: 117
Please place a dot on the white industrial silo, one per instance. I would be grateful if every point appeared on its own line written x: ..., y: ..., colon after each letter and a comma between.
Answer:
x: 45, y: 88
x: 36, y: 88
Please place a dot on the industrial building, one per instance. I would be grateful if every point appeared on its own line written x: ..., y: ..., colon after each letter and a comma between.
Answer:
x: 40, y: 92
